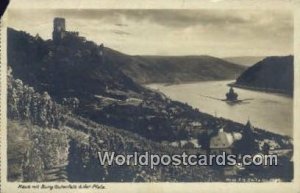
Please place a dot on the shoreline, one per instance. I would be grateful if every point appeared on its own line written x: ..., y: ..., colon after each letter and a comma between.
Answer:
x: 266, y: 90
x: 233, y: 84
x: 184, y: 82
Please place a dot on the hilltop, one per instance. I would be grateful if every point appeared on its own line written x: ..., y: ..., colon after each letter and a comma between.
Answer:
x: 272, y: 74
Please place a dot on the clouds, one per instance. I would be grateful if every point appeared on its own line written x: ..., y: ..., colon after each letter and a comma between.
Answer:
x: 120, y: 32
x: 185, y: 18
x: 121, y: 25
x: 173, y: 32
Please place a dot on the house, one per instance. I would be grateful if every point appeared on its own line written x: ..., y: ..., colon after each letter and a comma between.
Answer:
x: 223, y: 142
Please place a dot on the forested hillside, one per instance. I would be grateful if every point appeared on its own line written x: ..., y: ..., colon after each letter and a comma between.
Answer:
x: 274, y: 74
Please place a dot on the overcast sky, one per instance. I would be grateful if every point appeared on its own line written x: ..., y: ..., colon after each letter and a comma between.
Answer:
x: 213, y: 32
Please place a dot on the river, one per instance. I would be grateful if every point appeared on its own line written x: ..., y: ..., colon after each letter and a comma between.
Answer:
x: 272, y: 112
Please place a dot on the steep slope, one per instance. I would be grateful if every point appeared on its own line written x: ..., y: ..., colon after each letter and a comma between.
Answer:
x: 39, y: 152
x: 274, y: 74
x: 68, y: 151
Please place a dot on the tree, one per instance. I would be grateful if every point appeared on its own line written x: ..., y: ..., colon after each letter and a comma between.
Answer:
x: 247, y: 144
x: 265, y: 148
x: 203, y: 140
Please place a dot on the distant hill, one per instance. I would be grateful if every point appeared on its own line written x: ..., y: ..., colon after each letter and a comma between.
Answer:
x: 274, y: 74
x: 244, y: 60
x: 176, y: 69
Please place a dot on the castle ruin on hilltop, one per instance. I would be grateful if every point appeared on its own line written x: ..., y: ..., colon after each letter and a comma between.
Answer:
x: 60, y: 33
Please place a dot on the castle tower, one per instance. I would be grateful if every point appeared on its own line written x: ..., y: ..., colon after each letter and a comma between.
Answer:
x: 59, y: 29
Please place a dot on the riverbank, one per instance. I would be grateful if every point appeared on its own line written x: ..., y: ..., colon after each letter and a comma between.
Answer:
x: 267, y: 90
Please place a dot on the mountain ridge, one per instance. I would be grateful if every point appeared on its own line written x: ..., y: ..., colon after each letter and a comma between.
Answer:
x: 177, y: 69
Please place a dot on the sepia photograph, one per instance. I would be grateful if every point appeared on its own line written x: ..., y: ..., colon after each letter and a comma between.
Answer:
x: 149, y: 96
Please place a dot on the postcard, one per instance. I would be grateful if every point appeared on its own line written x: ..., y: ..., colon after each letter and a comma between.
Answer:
x: 150, y: 96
